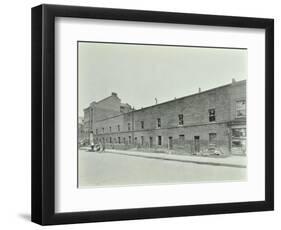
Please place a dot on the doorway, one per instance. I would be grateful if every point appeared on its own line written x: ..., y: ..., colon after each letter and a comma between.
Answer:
x: 170, y: 143
x: 197, y: 144
x: 150, y: 142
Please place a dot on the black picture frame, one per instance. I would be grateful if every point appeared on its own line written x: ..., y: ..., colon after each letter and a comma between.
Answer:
x: 43, y: 114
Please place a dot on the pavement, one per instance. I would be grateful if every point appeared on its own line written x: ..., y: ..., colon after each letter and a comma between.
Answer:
x: 230, y: 161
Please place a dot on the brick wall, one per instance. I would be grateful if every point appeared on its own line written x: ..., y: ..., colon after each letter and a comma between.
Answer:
x: 195, y: 111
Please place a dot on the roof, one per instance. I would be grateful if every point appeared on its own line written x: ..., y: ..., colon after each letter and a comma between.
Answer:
x: 181, y: 98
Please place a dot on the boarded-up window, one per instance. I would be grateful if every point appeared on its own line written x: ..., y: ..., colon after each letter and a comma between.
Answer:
x: 142, y: 124
x: 158, y: 123
x: 212, y: 138
x: 212, y: 115
x: 181, y: 119
x: 241, y: 108
x: 181, y: 139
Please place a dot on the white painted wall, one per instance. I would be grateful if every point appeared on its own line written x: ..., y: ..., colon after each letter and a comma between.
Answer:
x: 15, y: 114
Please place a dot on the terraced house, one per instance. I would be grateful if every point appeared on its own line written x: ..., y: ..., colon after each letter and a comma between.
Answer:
x: 216, y: 117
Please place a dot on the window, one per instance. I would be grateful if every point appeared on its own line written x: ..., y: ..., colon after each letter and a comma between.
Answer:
x: 102, y: 130
x: 110, y: 129
x: 238, y: 139
x: 129, y: 126
x: 130, y: 139
x: 124, y: 140
x: 97, y: 132
x: 159, y: 140
x: 119, y: 140
x: 142, y: 124
x: 180, y: 119
x: 239, y: 133
x: 142, y: 140
x: 158, y: 123
x: 118, y: 128
x: 136, y: 140
x: 110, y: 139
x: 212, y: 115
x: 181, y: 139
x: 241, y: 108
x: 212, y: 138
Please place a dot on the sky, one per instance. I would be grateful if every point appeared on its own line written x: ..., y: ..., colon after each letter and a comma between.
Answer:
x: 140, y: 73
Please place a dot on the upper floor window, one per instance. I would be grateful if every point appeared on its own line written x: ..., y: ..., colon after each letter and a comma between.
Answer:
x: 102, y: 130
x: 241, y: 108
x: 180, y: 119
x: 110, y: 129
x: 158, y: 123
x: 142, y: 124
x: 212, y: 115
x: 118, y: 128
x: 129, y: 126
x: 97, y: 132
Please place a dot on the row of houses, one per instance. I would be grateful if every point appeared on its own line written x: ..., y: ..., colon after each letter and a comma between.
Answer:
x: 214, y: 118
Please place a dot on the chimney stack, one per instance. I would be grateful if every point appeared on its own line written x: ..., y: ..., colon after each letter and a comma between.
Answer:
x: 114, y: 94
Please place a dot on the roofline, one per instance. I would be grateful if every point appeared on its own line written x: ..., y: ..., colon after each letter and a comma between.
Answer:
x: 181, y: 98
x: 107, y: 98
x: 202, y: 92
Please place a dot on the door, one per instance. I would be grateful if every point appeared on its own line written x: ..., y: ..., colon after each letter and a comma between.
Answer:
x: 170, y: 143
x: 196, y: 144
x: 142, y: 140
x: 150, y: 142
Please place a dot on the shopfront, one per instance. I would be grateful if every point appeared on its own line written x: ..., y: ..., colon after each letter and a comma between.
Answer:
x: 238, y: 139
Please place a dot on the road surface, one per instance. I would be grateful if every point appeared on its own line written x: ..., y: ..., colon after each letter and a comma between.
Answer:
x: 112, y: 169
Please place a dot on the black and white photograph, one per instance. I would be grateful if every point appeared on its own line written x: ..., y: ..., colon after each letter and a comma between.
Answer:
x: 143, y: 113
x: 151, y: 114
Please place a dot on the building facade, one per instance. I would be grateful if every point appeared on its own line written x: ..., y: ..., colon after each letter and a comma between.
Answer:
x: 81, y: 131
x: 214, y: 118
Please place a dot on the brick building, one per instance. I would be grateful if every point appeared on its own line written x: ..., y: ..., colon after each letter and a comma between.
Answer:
x: 81, y: 131
x: 194, y: 123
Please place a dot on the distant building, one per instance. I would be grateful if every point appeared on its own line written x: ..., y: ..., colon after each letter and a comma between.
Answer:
x: 215, y: 117
x: 106, y: 108
x: 81, y: 131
